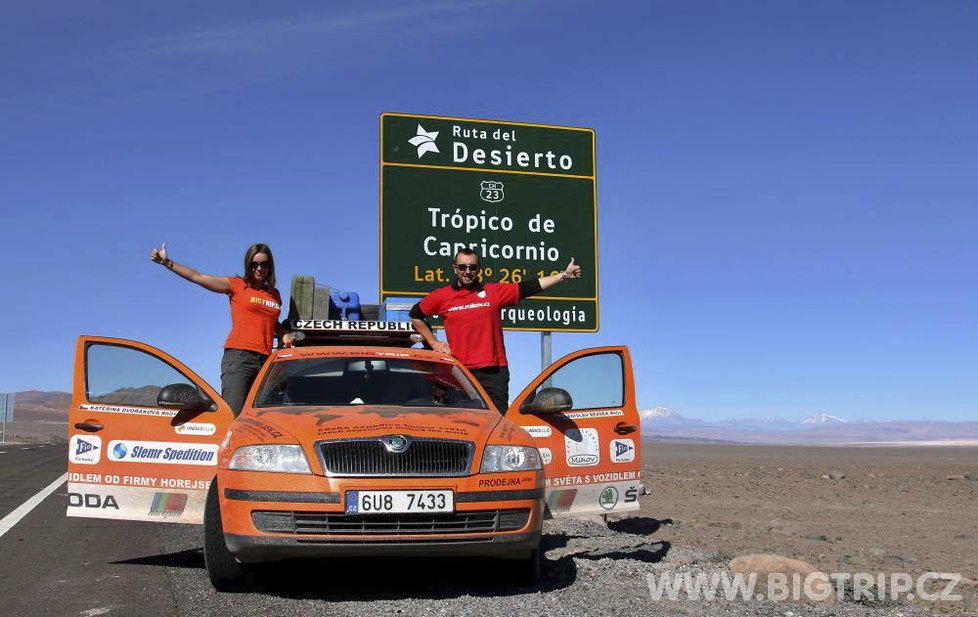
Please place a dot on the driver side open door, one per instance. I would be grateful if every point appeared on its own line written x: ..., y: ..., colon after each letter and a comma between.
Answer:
x: 582, y: 414
x: 128, y: 456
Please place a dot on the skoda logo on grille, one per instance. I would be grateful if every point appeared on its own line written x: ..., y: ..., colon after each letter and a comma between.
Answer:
x: 396, y: 443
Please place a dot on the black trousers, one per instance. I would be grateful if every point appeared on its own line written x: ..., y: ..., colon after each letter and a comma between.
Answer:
x: 495, y: 379
x: 239, y: 367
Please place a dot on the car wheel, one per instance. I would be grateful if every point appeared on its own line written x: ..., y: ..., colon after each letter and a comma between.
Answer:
x: 226, y: 572
x: 529, y: 569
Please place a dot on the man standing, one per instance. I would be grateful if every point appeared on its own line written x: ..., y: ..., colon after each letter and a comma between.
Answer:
x: 472, y: 312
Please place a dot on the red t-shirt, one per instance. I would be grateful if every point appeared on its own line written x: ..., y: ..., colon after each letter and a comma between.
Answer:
x: 473, y: 320
x: 254, y: 313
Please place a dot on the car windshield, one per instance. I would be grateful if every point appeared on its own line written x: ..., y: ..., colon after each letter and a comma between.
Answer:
x: 363, y: 380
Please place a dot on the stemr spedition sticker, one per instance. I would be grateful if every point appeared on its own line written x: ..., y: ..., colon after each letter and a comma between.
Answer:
x: 162, y: 452
x: 581, y: 446
x: 85, y: 449
x: 546, y: 455
x: 622, y: 450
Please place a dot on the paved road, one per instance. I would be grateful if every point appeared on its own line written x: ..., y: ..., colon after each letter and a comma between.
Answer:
x: 54, y: 565
x: 26, y: 469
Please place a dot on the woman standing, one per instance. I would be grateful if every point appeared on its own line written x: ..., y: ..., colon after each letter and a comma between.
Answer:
x: 255, y: 309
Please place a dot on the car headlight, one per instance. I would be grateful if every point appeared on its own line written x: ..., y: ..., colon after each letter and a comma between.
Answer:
x: 290, y: 459
x: 510, y: 458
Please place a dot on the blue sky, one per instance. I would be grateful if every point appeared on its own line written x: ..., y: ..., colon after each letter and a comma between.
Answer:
x: 787, y: 194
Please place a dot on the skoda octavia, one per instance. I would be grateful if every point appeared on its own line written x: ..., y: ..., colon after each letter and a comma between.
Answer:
x: 350, y: 450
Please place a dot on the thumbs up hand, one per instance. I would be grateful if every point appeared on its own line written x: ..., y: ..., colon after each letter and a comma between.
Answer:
x: 573, y: 271
x: 158, y: 255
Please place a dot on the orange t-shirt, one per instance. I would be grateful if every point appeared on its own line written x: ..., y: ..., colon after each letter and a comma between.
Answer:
x: 254, y: 313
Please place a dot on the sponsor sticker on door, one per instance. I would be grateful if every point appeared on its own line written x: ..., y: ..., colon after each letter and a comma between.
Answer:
x: 538, y: 431
x: 162, y: 452
x: 195, y: 428
x: 622, y: 450
x: 85, y: 449
x: 582, y: 447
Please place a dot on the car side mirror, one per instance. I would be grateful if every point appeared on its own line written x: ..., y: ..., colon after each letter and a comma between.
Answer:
x: 548, y: 400
x: 184, y: 396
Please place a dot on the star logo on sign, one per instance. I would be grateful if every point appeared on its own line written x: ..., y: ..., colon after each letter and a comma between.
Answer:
x: 424, y: 141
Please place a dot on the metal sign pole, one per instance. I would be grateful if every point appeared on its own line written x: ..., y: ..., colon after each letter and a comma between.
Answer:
x: 3, y: 412
x: 546, y: 352
x: 8, y: 413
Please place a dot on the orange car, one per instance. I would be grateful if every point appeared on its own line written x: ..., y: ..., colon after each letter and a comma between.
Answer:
x: 346, y: 450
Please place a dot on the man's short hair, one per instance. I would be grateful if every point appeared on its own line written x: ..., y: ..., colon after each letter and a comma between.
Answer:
x: 466, y: 252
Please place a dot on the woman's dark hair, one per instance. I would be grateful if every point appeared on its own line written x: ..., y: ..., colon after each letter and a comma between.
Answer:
x: 253, y: 250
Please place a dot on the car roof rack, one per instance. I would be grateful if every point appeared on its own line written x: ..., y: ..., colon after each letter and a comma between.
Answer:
x: 319, y: 315
x: 353, y: 332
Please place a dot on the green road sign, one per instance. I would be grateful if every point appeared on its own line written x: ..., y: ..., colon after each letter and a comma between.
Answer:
x: 521, y: 195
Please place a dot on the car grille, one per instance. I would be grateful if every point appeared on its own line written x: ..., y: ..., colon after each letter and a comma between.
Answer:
x: 372, y: 457
x: 339, y: 524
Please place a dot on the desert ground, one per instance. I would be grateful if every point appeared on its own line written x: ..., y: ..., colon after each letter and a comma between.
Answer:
x: 898, y: 509
x: 842, y: 509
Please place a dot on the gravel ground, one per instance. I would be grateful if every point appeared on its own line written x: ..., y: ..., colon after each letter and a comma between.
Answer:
x: 591, y: 568
x: 895, y: 510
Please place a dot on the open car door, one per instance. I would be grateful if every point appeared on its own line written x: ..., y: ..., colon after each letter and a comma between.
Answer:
x: 582, y: 414
x: 144, y: 433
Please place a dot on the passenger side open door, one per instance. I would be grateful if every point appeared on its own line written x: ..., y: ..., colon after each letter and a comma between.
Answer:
x: 143, y: 432
x: 582, y: 414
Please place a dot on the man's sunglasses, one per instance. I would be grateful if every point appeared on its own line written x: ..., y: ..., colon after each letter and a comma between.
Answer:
x: 261, y: 264
x: 469, y: 267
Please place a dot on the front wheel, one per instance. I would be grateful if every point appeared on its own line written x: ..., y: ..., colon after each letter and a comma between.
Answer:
x: 226, y: 572
x: 527, y: 571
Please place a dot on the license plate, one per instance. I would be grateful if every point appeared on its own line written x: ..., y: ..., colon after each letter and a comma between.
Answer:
x: 397, y: 502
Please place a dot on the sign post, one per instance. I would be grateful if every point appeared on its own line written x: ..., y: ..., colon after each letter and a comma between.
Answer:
x: 6, y: 412
x: 522, y: 196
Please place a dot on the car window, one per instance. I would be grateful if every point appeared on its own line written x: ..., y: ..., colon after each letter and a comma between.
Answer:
x: 589, y: 382
x: 121, y: 375
x: 358, y: 380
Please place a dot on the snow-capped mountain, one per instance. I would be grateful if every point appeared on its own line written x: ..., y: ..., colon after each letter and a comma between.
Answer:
x: 664, y: 424
x: 657, y: 412
x: 822, y: 419
x: 663, y: 417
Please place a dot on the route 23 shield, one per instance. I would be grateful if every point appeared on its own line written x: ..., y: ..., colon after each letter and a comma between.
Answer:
x: 491, y: 191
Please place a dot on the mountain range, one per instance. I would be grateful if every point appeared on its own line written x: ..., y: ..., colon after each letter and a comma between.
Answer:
x: 818, y: 428
x: 39, y: 413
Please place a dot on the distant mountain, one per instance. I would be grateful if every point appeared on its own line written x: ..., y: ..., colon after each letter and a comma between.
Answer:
x: 47, y: 406
x: 657, y: 412
x: 759, y: 424
x: 37, y: 400
x: 662, y: 423
x: 822, y: 419
x: 663, y: 416
x: 39, y: 416
x: 143, y: 395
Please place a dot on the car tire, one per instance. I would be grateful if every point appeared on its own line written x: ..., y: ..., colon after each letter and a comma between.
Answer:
x: 226, y: 572
x: 529, y: 569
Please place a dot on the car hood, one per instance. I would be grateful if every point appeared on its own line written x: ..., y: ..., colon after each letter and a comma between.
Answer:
x: 309, y: 424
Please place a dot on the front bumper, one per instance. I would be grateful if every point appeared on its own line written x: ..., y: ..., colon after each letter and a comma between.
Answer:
x: 498, y: 516
x: 250, y: 549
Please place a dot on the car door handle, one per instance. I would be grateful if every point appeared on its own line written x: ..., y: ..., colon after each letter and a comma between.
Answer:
x: 625, y: 429
x: 91, y: 427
